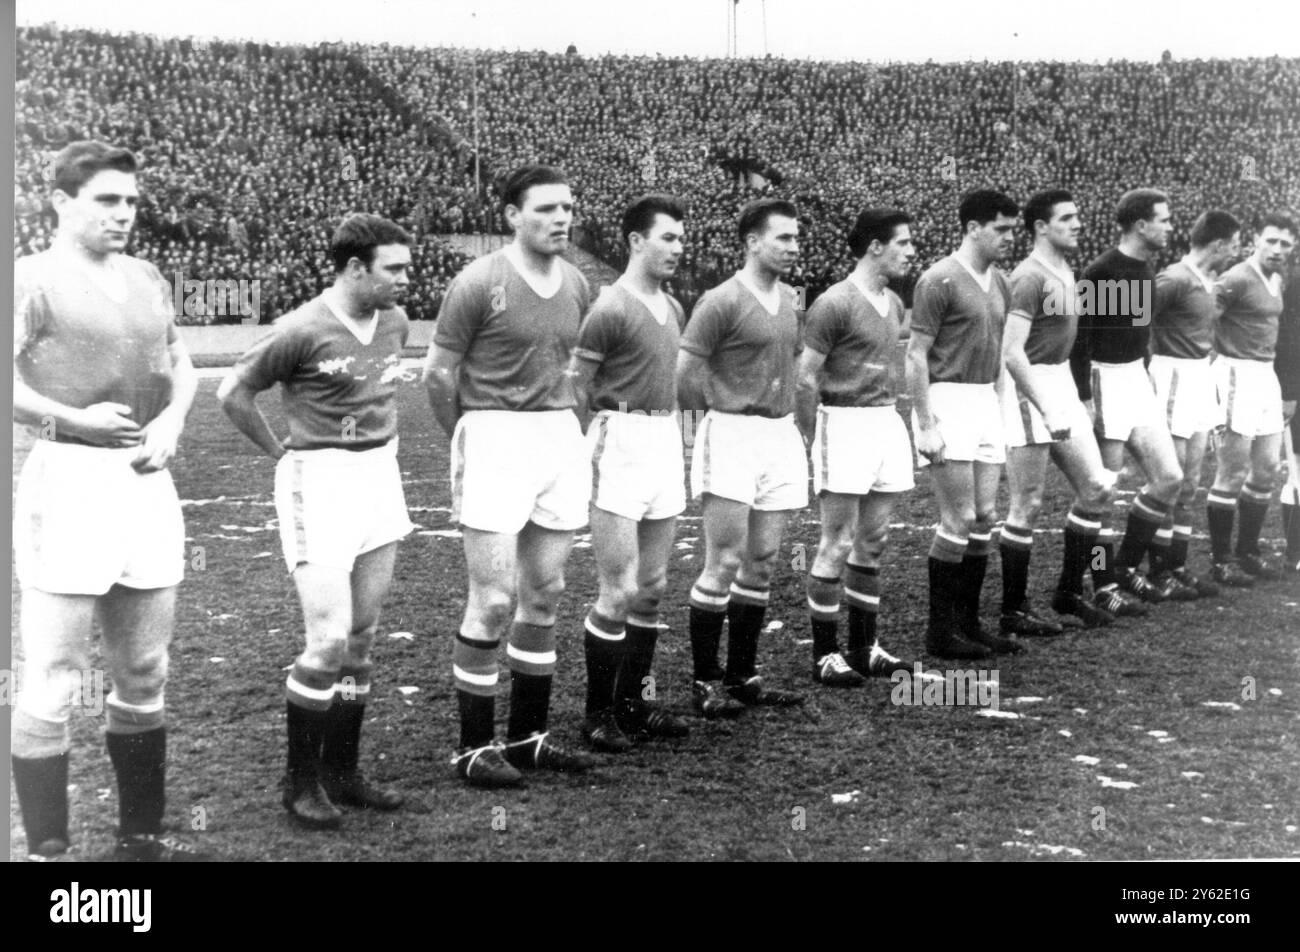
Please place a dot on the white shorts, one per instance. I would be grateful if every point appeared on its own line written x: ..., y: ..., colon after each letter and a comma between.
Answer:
x: 1185, y: 387
x: 969, y: 421
x: 1123, y: 399
x: 84, y: 521
x: 637, y: 468
x: 1022, y: 421
x: 509, y: 468
x: 759, y: 461
x: 858, y: 450
x: 1250, y: 396
x: 337, y: 504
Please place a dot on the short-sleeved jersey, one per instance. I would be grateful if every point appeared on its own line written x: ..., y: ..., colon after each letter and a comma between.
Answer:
x: 860, y: 345
x: 1047, y: 297
x: 635, y: 354
x: 339, y: 392
x: 750, y: 352
x: 964, y: 320
x: 515, y: 344
x: 1183, y: 322
x: 81, y: 341
x: 1248, y: 317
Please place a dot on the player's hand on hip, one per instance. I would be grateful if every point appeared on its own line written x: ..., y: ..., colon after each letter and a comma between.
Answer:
x: 930, y: 445
x: 107, y: 424
x: 161, y: 437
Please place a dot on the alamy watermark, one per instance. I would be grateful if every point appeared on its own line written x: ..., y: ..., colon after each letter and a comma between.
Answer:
x: 967, y: 687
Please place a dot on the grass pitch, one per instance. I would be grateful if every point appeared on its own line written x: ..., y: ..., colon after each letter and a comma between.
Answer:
x: 1170, y: 737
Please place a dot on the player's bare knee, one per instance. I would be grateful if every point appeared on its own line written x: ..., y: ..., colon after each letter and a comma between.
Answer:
x: 835, y: 549
x: 542, y: 595
x: 1166, y: 485
x: 141, y: 680
x: 325, y: 654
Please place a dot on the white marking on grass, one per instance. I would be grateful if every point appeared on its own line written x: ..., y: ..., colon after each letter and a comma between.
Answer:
x: 1157, y: 733
x: 849, y: 797
x: 1065, y: 733
x: 804, y: 641
x: 216, y: 660
x: 219, y: 535
x: 683, y: 545
x: 404, y: 635
x: 1027, y: 700
x: 1086, y: 760
x: 1230, y: 705
x: 407, y: 690
x: 582, y: 545
x: 1121, y: 766
x: 262, y: 555
x: 441, y: 533
x: 1080, y: 711
x: 1041, y: 849
x: 1117, y: 784
x: 1276, y: 692
x: 1006, y: 715
x: 1290, y: 828
x: 1192, y: 775
x: 774, y: 626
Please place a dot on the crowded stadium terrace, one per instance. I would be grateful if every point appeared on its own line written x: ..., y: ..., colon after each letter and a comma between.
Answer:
x: 252, y: 151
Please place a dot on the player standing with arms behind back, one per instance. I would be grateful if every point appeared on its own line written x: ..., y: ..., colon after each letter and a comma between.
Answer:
x: 339, y: 499
x: 1182, y: 334
x: 861, y: 455
x: 1117, y: 295
x: 624, y: 360
x: 953, y: 361
x: 1250, y: 301
x: 498, y: 382
x: 1045, y: 420
x: 749, y: 463
x: 101, y: 373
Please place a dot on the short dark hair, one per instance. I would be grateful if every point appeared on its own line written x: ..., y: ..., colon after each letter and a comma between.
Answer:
x: 754, y: 216
x: 79, y: 162
x: 983, y: 205
x: 1137, y: 205
x: 518, y: 182
x: 359, y: 235
x: 1040, y: 205
x: 640, y: 215
x: 875, y: 224
x: 1281, y: 221
x: 1214, y: 225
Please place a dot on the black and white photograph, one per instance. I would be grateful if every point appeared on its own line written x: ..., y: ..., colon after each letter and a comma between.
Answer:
x: 715, y: 430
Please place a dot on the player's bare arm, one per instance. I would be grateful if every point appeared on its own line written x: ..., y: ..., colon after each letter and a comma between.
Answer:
x: 163, y: 432
x: 1014, y: 337
x: 440, y: 376
x: 917, y: 367
x: 807, y: 393
x: 239, y: 401
x: 692, y: 376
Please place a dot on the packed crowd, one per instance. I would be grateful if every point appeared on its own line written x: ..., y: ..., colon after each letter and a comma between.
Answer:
x: 252, y: 150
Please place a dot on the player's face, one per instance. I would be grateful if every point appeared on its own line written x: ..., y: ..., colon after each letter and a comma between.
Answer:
x: 384, y: 284
x: 543, y: 219
x: 1064, y: 227
x: 897, y: 256
x: 995, y: 238
x: 661, y: 247
x: 1273, y: 247
x: 100, y: 216
x: 777, y: 246
x: 1155, y: 231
